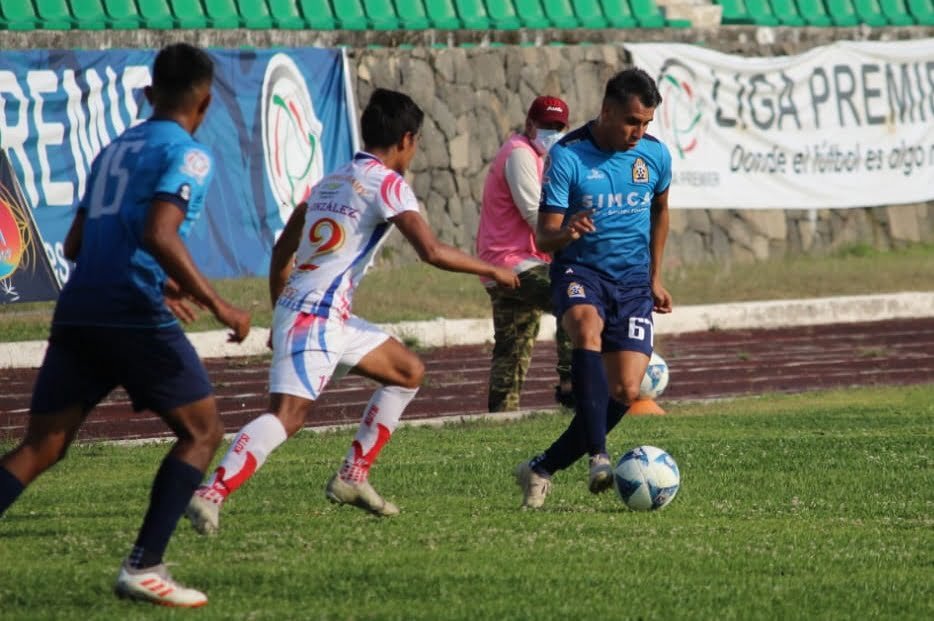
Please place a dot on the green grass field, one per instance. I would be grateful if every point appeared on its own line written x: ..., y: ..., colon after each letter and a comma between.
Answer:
x: 419, y: 291
x: 814, y: 506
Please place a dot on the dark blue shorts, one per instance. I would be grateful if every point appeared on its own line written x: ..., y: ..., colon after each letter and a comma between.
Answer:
x: 626, y: 311
x: 158, y: 368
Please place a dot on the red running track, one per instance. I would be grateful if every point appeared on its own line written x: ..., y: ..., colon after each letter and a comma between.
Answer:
x: 704, y: 365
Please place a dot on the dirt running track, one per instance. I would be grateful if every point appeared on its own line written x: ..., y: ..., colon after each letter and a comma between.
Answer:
x: 703, y: 365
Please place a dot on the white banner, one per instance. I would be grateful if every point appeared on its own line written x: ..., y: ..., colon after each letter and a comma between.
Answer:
x: 846, y: 125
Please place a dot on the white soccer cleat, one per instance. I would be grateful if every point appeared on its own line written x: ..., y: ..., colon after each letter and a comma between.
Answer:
x: 360, y: 495
x: 534, y: 486
x: 601, y: 473
x: 156, y: 586
x: 204, y: 510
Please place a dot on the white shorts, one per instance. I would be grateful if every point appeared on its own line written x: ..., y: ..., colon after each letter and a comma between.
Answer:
x: 309, y: 351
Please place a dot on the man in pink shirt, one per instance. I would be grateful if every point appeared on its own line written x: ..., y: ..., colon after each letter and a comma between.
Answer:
x: 506, y: 237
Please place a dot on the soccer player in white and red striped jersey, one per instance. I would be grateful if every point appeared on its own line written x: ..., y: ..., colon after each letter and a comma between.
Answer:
x: 317, y: 263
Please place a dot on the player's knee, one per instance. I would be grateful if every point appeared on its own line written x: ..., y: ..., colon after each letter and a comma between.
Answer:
x: 584, y: 327
x: 207, y: 433
x: 624, y: 393
x: 412, y: 373
x: 588, y: 339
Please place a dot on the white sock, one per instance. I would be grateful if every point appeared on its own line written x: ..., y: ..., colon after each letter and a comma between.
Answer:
x: 248, y: 451
x: 380, y: 419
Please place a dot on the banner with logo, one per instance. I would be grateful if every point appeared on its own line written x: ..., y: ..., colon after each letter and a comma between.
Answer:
x: 279, y: 119
x: 25, y: 273
x: 846, y: 125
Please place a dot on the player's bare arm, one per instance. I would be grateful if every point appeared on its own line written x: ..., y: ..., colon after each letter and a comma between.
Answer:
x: 283, y: 252
x: 433, y: 251
x: 74, y: 236
x: 177, y: 299
x: 162, y: 240
x: 553, y: 233
x: 657, y: 246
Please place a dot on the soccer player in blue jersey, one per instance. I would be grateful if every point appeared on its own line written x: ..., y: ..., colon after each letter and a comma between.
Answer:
x: 604, y: 214
x: 114, y: 324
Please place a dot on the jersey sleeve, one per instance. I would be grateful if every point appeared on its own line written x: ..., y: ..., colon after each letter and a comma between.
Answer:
x: 556, y: 181
x: 187, y: 174
x: 85, y: 203
x: 395, y: 196
x: 664, y: 169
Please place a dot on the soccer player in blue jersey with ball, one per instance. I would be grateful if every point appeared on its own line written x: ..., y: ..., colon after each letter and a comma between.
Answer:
x: 114, y: 324
x: 604, y: 214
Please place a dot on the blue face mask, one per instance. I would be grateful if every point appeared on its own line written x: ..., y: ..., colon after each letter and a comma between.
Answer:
x: 547, y: 138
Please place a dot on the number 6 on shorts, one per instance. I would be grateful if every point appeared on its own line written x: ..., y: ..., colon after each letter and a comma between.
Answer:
x: 638, y: 326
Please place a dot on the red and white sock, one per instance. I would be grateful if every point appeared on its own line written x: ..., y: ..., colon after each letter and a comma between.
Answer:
x: 248, y: 451
x: 380, y: 419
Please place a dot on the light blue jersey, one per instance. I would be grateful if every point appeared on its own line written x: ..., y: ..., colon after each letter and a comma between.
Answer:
x: 116, y: 282
x: 620, y: 187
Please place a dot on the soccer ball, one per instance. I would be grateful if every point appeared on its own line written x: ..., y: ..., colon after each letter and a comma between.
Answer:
x: 655, y: 379
x: 646, y: 478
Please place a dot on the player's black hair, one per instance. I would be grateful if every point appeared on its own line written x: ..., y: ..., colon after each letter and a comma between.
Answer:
x: 633, y: 82
x: 388, y: 117
x: 178, y: 70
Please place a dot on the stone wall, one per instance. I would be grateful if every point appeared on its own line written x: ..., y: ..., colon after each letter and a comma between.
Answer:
x: 699, y: 235
x: 475, y: 96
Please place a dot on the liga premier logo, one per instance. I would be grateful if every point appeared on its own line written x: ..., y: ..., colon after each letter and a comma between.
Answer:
x: 291, y: 135
x: 681, y: 111
x: 12, y: 243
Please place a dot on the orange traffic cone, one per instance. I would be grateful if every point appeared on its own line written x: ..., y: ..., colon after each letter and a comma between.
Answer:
x: 644, y: 406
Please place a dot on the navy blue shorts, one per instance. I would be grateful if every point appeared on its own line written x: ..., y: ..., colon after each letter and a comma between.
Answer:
x: 158, y: 368
x: 626, y: 311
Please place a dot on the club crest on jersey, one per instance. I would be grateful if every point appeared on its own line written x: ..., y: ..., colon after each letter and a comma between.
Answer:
x: 576, y: 290
x: 640, y: 172
x: 197, y: 164
x: 360, y: 189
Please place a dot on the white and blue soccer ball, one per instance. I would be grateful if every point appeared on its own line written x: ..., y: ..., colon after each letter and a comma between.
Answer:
x: 655, y: 380
x: 646, y: 478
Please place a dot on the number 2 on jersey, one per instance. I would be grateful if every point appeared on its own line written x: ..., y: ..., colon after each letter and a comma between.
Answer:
x: 328, y: 235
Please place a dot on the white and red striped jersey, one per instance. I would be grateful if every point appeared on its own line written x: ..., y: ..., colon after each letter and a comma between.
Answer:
x: 346, y: 222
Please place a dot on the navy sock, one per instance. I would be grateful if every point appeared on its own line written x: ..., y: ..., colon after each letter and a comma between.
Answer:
x: 10, y: 489
x: 615, y: 411
x: 572, y: 444
x: 172, y: 489
x: 567, y: 449
x: 591, y: 393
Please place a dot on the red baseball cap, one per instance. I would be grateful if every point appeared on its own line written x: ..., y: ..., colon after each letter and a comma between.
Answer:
x: 547, y: 109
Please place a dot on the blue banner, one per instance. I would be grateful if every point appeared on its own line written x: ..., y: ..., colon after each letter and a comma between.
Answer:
x: 278, y: 121
x: 25, y: 273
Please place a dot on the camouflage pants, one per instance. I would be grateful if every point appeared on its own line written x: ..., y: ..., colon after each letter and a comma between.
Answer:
x: 516, y: 318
